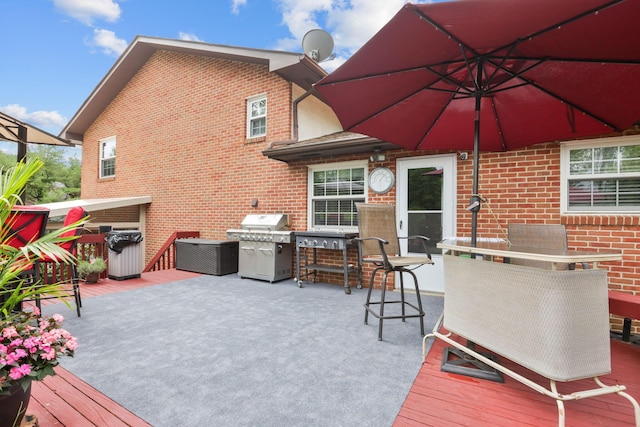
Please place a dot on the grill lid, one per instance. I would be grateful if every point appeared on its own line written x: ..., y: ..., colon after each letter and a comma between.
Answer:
x: 268, y: 222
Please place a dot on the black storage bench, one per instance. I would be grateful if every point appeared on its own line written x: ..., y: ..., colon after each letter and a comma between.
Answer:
x: 217, y: 257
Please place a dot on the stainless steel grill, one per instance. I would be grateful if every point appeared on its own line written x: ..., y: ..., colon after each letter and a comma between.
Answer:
x: 264, y: 247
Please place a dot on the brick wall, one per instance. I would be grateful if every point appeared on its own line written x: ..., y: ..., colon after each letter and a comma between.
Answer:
x: 180, y: 128
x: 524, y: 186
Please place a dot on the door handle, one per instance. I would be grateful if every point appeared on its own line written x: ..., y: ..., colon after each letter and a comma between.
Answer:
x: 400, y: 224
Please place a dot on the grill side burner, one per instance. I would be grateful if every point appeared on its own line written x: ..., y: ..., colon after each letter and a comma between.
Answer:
x: 264, y: 251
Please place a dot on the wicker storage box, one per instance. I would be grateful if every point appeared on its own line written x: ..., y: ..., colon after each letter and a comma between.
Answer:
x: 217, y: 257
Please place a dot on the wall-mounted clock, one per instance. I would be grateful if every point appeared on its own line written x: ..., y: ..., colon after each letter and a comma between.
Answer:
x: 381, y: 180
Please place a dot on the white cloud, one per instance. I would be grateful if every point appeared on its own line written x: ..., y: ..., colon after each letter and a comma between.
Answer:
x: 108, y: 42
x: 41, y: 119
x: 189, y: 37
x: 86, y: 11
x: 236, y: 4
x: 350, y: 22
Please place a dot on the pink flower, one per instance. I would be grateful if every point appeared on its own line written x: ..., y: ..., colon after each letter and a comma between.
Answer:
x: 48, y: 353
x: 9, y: 332
x: 72, y: 344
x: 29, y: 343
x: 18, y: 372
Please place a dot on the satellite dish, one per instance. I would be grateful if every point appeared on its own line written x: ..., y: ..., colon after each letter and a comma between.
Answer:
x: 318, y: 45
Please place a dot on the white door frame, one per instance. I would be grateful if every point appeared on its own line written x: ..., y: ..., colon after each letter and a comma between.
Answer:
x: 431, y: 278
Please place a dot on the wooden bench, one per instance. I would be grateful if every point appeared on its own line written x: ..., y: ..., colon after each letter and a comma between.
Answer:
x: 626, y: 305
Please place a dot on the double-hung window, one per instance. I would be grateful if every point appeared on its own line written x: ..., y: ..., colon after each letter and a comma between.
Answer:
x: 601, y: 176
x: 333, y: 191
x: 257, y: 116
x: 108, y: 157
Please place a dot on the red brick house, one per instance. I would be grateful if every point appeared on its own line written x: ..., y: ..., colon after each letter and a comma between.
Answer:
x: 180, y: 114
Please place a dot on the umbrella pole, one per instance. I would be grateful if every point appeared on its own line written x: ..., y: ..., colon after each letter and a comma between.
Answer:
x: 474, y: 205
x: 462, y: 363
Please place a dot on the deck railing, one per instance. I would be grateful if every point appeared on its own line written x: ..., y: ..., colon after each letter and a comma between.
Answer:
x: 88, y: 245
x: 165, y: 259
x: 95, y: 245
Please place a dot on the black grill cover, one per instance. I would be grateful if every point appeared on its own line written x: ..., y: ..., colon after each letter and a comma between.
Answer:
x: 118, y: 240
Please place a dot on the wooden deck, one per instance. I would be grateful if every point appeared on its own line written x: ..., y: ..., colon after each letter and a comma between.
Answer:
x: 436, y: 398
x: 444, y: 399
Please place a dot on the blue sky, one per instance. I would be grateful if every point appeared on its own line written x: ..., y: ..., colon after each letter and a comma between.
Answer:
x: 55, y: 52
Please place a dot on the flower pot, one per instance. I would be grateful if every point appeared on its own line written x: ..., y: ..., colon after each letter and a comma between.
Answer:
x: 92, y: 278
x: 14, y: 405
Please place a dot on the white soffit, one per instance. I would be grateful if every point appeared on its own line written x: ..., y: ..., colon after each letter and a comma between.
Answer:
x: 90, y: 205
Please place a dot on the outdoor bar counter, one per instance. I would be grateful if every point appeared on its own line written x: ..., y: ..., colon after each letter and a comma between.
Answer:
x: 553, y: 321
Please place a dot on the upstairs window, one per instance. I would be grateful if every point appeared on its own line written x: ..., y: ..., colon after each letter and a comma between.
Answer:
x: 602, y: 176
x: 108, y: 157
x: 257, y: 116
x: 333, y: 192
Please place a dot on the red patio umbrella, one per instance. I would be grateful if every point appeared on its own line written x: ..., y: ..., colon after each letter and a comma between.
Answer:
x: 493, y: 75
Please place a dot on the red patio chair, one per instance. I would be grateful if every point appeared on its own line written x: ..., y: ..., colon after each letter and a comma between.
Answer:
x: 49, y: 267
x: 24, y: 225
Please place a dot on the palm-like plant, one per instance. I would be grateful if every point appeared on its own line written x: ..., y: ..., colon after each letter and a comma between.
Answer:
x: 14, y: 288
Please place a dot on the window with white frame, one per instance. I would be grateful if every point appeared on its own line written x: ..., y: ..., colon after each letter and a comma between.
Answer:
x: 108, y: 157
x: 601, y: 176
x: 333, y: 191
x: 257, y: 116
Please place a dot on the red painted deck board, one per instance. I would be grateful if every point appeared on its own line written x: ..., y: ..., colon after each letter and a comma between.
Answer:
x: 444, y: 399
x: 436, y: 398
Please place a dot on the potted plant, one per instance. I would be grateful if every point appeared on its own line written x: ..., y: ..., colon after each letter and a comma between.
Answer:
x: 90, y: 270
x: 30, y: 345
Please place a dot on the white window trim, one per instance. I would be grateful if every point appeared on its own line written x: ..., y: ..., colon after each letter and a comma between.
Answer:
x: 250, y: 100
x: 565, y: 147
x: 327, y: 166
x: 101, y: 144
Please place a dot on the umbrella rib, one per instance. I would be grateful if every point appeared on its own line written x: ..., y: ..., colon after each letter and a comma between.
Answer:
x: 576, y: 106
x: 439, y: 27
x: 527, y: 82
x: 388, y: 107
x: 495, y: 114
x: 447, y: 78
x: 555, y: 26
x: 433, y: 123
x: 570, y: 20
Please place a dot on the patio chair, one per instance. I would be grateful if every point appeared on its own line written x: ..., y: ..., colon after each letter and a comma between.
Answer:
x: 378, y: 244
x: 24, y: 225
x: 52, y: 270
x: 539, y: 236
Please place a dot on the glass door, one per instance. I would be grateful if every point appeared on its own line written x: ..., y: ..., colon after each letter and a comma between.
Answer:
x: 425, y: 206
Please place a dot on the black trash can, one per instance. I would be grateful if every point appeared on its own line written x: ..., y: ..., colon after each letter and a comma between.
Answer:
x: 125, y: 258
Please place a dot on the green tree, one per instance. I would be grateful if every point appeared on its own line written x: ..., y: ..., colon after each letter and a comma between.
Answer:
x: 58, y: 180
x: 7, y: 160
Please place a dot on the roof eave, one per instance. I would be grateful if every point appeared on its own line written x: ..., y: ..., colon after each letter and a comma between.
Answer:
x: 344, y: 143
x: 295, y: 67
